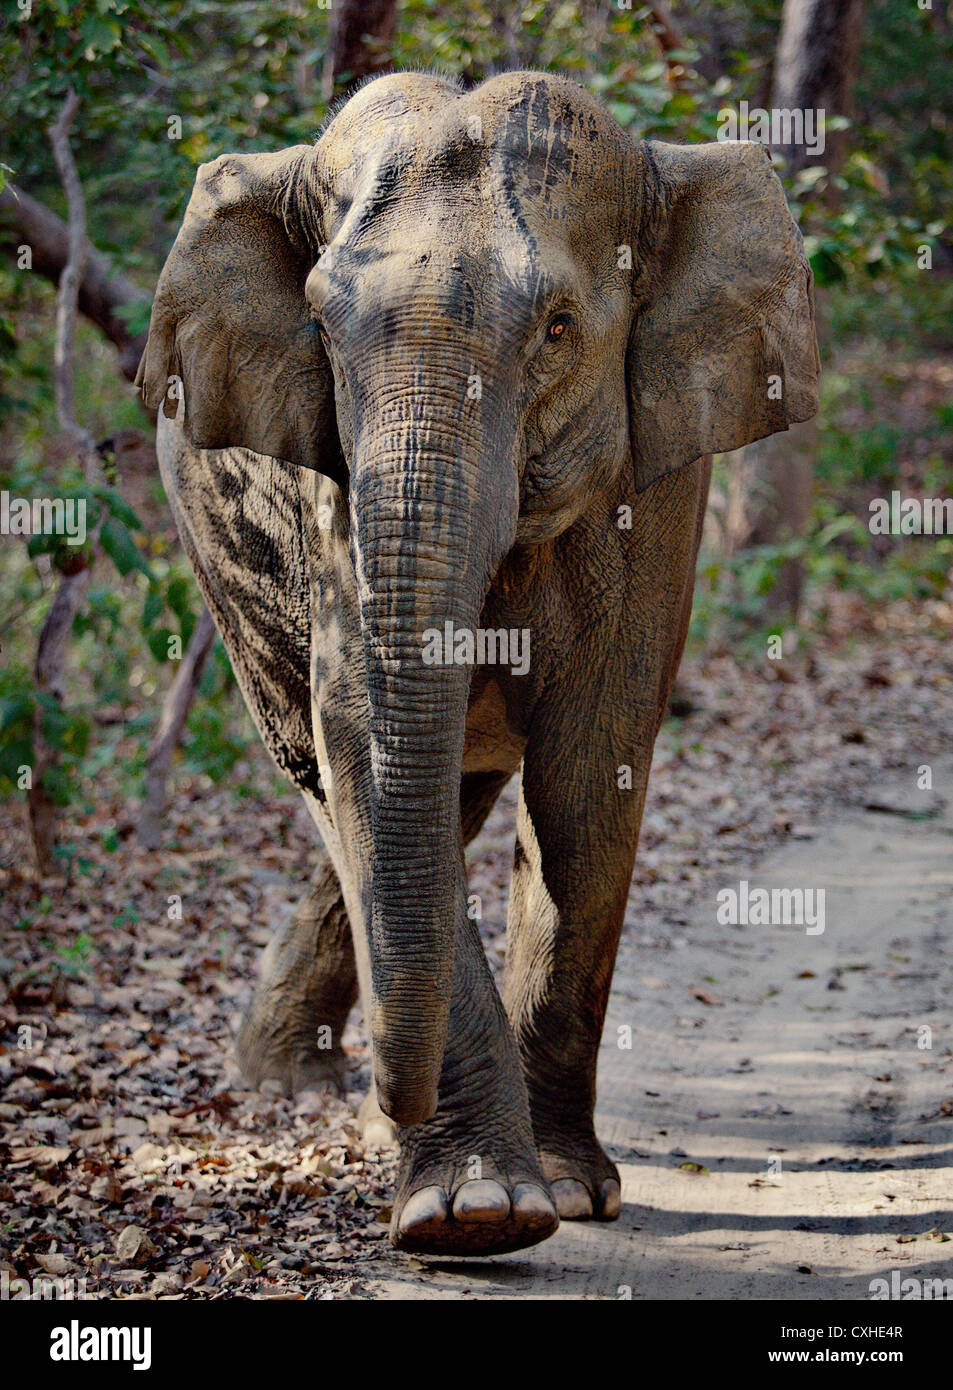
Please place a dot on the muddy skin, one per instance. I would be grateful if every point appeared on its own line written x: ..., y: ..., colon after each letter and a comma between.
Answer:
x: 461, y: 362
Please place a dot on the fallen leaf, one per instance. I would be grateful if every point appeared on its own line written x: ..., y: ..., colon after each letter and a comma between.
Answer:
x: 149, y: 1158
x: 129, y: 1126
x: 41, y: 1155
x: 133, y: 1244
x: 704, y: 996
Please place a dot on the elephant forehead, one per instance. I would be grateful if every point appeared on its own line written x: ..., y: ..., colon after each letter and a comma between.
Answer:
x: 532, y: 134
x: 533, y: 118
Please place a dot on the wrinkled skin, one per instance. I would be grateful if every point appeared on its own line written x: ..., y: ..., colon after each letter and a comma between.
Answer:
x: 460, y: 362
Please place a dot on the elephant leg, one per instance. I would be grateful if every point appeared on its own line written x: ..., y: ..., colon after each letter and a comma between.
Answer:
x: 469, y: 1181
x: 478, y: 794
x: 291, y: 1030
x: 581, y: 802
x: 561, y: 948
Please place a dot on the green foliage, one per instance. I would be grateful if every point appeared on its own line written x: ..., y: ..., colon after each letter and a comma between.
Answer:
x: 238, y: 76
x: 730, y: 601
x: 74, y: 959
x: 66, y: 730
x: 214, y: 741
x: 16, y: 725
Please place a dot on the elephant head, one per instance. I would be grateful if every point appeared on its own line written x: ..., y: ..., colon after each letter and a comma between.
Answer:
x: 474, y: 311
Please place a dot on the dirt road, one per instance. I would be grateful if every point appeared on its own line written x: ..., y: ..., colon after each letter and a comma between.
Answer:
x: 809, y: 1076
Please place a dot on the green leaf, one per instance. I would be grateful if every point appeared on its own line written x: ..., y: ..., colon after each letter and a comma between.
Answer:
x: 118, y: 507
x: 623, y: 112
x: 156, y: 48
x: 827, y: 270
x: 177, y: 597
x: 13, y: 709
x: 135, y: 315
x: 121, y: 548
x: 158, y: 642
x: 153, y: 606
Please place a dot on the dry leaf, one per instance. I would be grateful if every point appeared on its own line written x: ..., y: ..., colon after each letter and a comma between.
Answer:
x: 40, y: 1155
x: 133, y: 1245
x: 704, y: 996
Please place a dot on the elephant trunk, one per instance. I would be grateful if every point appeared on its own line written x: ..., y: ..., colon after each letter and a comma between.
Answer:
x: 428, y: 539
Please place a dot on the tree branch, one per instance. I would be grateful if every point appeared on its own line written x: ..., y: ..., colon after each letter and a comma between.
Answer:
x: 175, y: 710
x: 102, y: 292
x: 67, y: 301
x: 671, y: 39
x: 54, y: 635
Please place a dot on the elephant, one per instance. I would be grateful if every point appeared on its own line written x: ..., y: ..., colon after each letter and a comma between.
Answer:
x: 437, y: 396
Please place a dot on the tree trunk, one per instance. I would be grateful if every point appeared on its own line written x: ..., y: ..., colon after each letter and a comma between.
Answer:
x: 815, y: 68
x: 175, y: 711
x: 361, y: 36
x: 770, y: 500
x: 502, y: 19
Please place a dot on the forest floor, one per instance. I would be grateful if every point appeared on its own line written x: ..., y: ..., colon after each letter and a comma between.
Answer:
x: 783, y: 1118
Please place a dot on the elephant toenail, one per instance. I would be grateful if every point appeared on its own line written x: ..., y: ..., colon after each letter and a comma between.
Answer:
x: 426, y: 1207
x: 572, y: 1199
x: 481, y: 1200
x: 531, y: 1201
x: 611, y: 1199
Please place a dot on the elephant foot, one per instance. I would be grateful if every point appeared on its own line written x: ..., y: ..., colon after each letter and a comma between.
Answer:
x: 481, y: 1216
x: 296, y: 1065
x: 454, y: 1200
x: 585, y: 1183
x: 291, y: 1030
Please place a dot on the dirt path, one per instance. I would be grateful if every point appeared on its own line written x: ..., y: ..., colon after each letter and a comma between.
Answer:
x: 805, y: 1089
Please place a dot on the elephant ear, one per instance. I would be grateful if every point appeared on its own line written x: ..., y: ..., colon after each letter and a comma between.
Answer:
x: 230, y: 331
x: 723, y: 351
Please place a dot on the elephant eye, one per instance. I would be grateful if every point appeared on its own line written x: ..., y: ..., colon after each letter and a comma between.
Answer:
x: 559, y: 328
